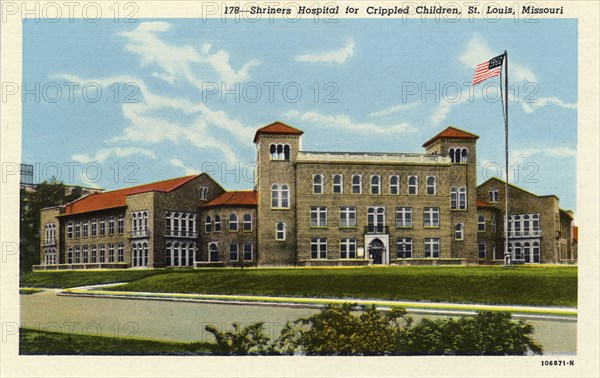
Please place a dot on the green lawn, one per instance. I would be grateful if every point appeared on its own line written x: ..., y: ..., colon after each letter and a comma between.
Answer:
x: 522, y: 285
x: 33, y: 342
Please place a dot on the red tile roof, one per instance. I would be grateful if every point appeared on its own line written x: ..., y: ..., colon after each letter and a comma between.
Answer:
x: 277, y: 128
x: 452, y: 132
x: 116, y: 198
x: 481, y: 203
x: 237, y: 198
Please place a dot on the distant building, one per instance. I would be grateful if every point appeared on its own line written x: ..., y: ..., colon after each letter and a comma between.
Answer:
x: 317, y: 209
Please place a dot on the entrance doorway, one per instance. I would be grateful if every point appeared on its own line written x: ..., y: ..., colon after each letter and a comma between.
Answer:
x: 376, y: 249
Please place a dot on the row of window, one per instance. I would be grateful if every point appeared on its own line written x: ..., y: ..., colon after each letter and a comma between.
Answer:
x: 375, y: 216
x: 524, y: 225
x: 139, y: 254
x: 375, y: 184
x: 50, y: 256
x: 347, y: 248
x: 214, y: 254
x: 96, y: 253
x: 180, y: 224
x: 180, y: 254
x: 214, y: 224
x: 50, y: 233
x: 280, y: 151
x: 95, y: 227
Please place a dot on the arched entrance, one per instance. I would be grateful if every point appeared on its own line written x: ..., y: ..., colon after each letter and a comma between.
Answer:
x: 376, y: 250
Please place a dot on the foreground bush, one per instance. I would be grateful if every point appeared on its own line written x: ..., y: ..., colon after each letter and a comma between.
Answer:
x: 345, y: 330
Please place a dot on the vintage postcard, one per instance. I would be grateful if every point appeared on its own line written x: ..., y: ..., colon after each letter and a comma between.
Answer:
x: 343, y: 188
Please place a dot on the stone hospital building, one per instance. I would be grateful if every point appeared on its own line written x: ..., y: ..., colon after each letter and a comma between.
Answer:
x: 314, y: 209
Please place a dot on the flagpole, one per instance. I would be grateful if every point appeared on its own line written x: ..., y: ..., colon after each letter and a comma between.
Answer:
x: 507, y: 256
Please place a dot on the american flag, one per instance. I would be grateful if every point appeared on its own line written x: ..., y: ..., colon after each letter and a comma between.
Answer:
x: 488, y: 69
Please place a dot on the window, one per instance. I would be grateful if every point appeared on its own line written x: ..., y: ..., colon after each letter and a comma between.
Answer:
x: 318, y: 248
x: 405, y: 248
x: 77, y: 255
x: 247, y: 222
x: 233, y: 252
x: 70, y: 230
x: 462, y: 198
x: 93, y: 254
x: 338, y: 184
x: 395, y: 184
x: 431, y: 216
x: 70, y: 255
x: 458, y: 155
x: 203, y: 193
x: 208, y: 224
x: 413, y: 185
x: 247, y: 251
x: 481, y: 223
x: 356, y: 184
x: 280, y: 196
x: 493, y: 195
x: 318, y: 216
x: 280, y: 151
x: 348, y: 248
x: 111, y: 225
x: 121, y: 224
x: 102, y: 226
x: 347, y: 216
x: 121, y: 252
x: 280, y: 231
x: 217, y: 223
x: 139, y: 224
x: 77, y: 229
x: 86, y: 254
x: 432, y: 248
x: 431, y: 186
x: 213, y: 252
x: 85, y: 228
x: 233, y: 222
x: 318, y: 184
x: 102, y: 253
x: 536, y: 252
x: 404, y: 217
x: 459, y: 231
x: 535, y: 223
x: 50, y: 234
x: 111, y: 253
x: 94, y: 228
x: 375, y: 184
x: 482, y: 251
x: 453, y: 198
x: 376, y: 219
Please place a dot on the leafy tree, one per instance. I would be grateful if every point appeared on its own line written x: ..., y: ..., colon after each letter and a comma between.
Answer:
x: 46, y: 194
x: 250, y: 340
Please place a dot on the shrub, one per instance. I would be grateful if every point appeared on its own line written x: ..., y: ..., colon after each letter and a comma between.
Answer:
x: 250, y: 340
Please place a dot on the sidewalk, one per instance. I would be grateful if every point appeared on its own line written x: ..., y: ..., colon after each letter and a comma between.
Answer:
x: 432, y: 308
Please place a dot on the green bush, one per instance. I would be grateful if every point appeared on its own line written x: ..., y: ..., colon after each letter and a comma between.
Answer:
x: 250, y: 340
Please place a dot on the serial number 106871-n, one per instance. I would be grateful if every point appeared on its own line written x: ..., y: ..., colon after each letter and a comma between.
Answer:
x: 558, y: 363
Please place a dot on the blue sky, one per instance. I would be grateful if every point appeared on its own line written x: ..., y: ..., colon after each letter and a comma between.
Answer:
x: 367, y: 72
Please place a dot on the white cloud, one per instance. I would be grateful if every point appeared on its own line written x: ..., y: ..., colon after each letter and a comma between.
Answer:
x: 396, y: 109
x: 187, y: 169
x: 441, y: 112
x: 181, y: 61
x: 335, y: 56
x: 478, y: 51
x: 561, y: 152
x: 120, y: 152
x: 344, y: 122
x: 544, y: 101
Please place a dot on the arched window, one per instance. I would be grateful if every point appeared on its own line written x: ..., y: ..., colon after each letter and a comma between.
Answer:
x: 247, y: 222
x: 481, y: 223
x: 463, y: 155
x: 275, y: 195
x: 356, y: 184
x: 217, y: 223
x: 280, y: 231
x: 183, y: 255
x: 395, y: 184
x: 451, y: 154
x: 279, y: 152
x: 413, y: 185
x: 526, y: 225
x: 286, y: 152
x: 462, y: 198
x: 536, y: 252
x: 208, y: 224
x: 145, y: 262
x: 527, y: 252
x: 453, y: 198
x: 518, y: 251
x: 338, y: 184
x: 318, y: 184
x: 273, y: 150
x: 459, y: 231
x: 375, y: 184
x: 517, y: 226
x: 233, y: 222
x: 169, y: 255
x: 535, y: 224
x: 431, y: 186
x: 457, y: 155
x: 285, y: 196
x: 213, y: 250
x: 176, y: 254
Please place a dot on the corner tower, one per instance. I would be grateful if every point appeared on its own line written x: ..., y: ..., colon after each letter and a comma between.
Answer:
x: 461, y: 178
x: 275, y: 180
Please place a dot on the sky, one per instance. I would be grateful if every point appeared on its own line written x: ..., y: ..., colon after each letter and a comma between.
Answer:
x: 120, y: 104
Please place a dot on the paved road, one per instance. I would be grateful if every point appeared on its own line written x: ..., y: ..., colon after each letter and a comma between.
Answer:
x: 181, y: 321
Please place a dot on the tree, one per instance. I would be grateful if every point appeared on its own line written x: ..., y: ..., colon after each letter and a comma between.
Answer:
x: 46, y: 194
x: 249, y: 340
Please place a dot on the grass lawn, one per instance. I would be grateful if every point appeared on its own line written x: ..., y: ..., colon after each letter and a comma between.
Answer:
x: 32, y: 342
x: 522, y: 285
